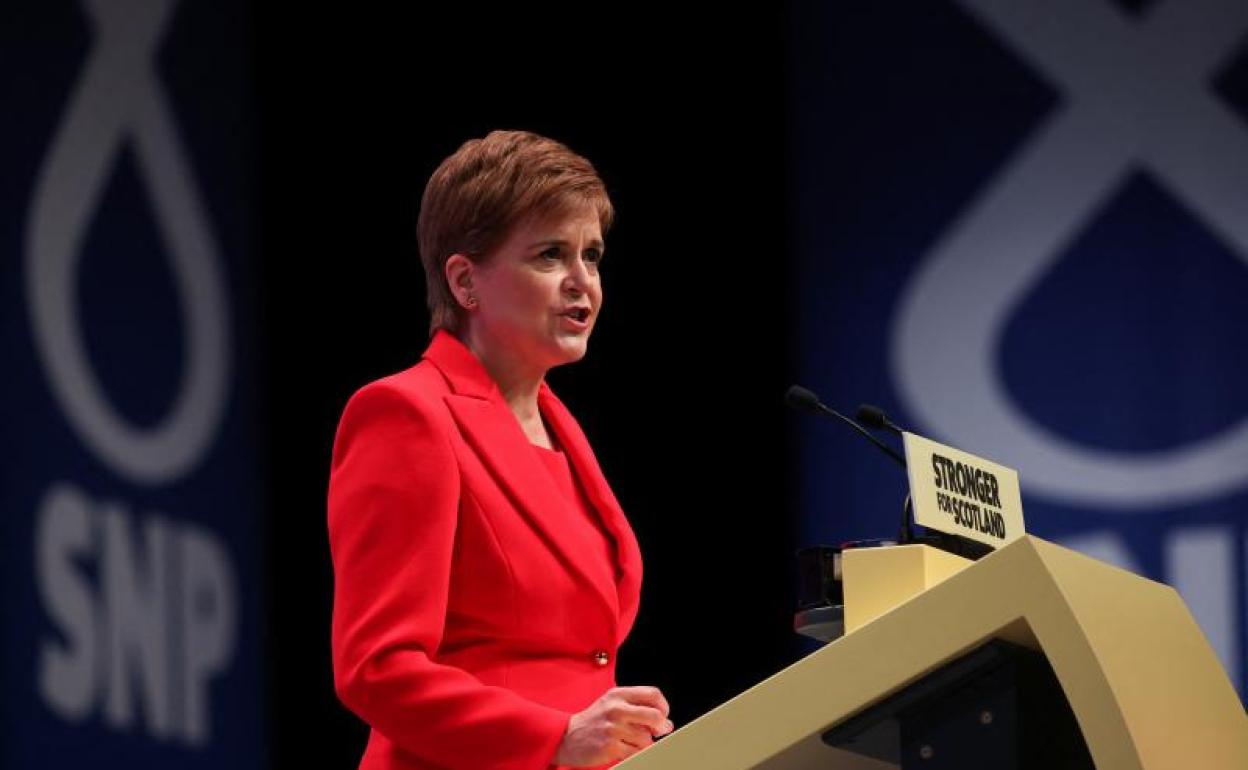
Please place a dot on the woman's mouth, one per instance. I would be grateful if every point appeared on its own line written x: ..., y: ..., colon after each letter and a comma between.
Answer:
x: 577, y: 317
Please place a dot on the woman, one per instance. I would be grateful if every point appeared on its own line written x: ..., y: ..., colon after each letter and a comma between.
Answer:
x: 484, y: 573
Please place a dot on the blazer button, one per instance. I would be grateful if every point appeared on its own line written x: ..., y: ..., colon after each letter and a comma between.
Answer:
x: 601, y: 657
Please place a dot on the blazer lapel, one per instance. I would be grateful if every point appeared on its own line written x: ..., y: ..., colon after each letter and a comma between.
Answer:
x: 495, y: 435
x: 627, y: 551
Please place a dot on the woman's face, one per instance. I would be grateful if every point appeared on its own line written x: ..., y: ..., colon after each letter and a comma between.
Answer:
x: 539, y: 293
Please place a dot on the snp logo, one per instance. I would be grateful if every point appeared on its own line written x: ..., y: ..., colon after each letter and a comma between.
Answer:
x: 144, y: 601
x: 1135, y: 94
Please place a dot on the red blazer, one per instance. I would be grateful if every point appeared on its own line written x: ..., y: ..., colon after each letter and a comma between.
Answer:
x: 468, y: 626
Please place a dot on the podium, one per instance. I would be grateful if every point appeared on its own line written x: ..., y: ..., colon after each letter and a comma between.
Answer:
x: 1141, y: 682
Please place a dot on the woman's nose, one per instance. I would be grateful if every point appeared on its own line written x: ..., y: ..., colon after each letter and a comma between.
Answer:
x: 577, y: 277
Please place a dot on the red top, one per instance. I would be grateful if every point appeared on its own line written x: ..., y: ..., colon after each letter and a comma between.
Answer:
x: 473, y: 614
x: 581, y: 517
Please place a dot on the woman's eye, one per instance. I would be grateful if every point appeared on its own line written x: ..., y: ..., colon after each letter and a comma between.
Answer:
x: 552, y: 253
x: 593, y: 256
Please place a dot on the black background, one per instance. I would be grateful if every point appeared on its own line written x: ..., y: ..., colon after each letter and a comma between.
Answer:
x: 685, y: 115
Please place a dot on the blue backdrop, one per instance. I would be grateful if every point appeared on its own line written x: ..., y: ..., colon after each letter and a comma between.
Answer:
x: 1022, y: 229
x: 129, y: 497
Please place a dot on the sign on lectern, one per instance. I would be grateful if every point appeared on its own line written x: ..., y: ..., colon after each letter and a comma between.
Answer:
x: 957, y: 493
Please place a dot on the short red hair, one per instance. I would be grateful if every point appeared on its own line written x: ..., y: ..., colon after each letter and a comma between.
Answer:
x: 487, y: 186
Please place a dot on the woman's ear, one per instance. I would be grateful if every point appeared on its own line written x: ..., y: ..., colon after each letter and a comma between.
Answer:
x: 459, y: 273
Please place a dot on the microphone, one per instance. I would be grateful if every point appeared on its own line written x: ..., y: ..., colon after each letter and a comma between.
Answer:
x: 874, y: 417
x: 803, y: 400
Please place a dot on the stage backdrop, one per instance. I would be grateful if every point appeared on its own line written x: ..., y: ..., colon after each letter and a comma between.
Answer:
x: 1022, y: 229
x: 129, y: 502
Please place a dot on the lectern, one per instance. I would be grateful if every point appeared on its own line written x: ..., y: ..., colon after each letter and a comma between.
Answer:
x: 929, y: 636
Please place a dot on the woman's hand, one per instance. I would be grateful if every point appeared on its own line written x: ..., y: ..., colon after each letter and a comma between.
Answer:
x: 619, y: 724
